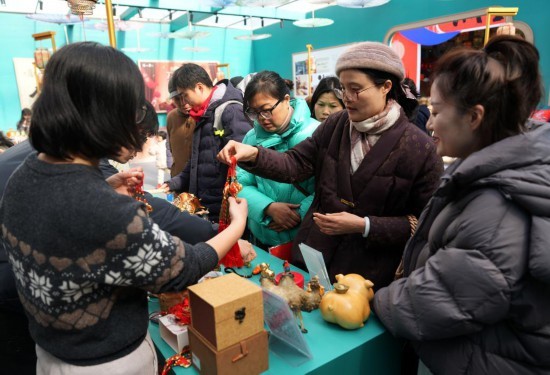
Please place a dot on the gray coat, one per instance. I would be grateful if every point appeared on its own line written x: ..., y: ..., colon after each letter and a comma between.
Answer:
x: 476, y: 296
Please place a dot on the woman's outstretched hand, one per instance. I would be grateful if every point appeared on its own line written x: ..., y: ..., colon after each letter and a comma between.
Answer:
x: 339, y: 223
x: 240, y: 151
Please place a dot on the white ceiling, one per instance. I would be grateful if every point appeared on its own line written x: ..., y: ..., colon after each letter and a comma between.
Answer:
x: 229, y: 17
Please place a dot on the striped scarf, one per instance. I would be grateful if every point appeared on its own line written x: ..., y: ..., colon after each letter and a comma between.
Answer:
x: 365, y: 134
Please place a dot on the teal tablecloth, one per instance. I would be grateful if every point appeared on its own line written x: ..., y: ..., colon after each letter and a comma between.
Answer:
x: 368, y: 350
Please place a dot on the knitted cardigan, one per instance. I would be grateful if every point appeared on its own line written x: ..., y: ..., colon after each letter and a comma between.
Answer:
x: 84, y: 257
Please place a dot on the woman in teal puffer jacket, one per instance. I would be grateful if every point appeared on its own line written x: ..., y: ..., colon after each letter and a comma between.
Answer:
x: 275, y: 209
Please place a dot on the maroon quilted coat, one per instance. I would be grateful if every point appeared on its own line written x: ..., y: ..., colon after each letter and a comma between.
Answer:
x: 396, y: 178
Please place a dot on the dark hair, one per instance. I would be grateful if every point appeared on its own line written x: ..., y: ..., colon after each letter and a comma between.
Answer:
x: 504, y: 78
x: 396, y: 92
x: 412, y: 86
x: 5, y: 141
x: 150, y: 124
x: 162, y: 134
x: 24, y: 112
x: 327, y: 84
x: 267, y: 82
x: 188, y: 75
x: 236, y: 80
x: 90, y: 96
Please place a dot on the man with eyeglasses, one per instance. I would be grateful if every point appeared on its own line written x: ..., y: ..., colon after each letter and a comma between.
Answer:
x: 180, y: 127
x: 204, y: 175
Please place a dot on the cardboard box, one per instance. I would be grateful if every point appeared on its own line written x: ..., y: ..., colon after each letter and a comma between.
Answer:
x: 226, y: 310
x: 250, y: 356
x: 173, y: 333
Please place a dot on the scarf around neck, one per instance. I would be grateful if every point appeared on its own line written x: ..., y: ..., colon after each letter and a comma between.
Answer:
x: 196, y: 114
x: 364, y: 134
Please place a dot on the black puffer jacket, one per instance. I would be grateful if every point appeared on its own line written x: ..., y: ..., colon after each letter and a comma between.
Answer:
x: 204, y: 175
x: 476, y: 296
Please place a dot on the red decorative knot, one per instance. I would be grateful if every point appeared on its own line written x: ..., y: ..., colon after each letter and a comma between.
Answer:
x: 232, y: 187
x: 139, y: 195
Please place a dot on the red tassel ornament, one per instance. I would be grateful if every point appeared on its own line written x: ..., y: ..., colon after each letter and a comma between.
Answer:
x: 233, y: 258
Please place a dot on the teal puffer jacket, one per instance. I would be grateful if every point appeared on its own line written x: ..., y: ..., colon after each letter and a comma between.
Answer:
x: 261, y: 192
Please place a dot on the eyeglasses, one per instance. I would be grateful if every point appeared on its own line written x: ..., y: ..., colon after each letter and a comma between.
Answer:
x: 265, y: 113
x: 353, y: 94
x: 140, y: 114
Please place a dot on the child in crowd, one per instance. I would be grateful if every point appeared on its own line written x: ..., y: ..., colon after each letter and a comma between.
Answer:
x: 159, y: 151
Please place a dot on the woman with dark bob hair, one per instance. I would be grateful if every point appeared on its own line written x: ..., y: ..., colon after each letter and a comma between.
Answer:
x: 374, y: 170
x: 83, y: 251
x: 324, y: 102
x: 475, y: 294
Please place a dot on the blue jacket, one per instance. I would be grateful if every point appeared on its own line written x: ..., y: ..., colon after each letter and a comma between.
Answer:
x: 261, y: 192
x: 204, y: 175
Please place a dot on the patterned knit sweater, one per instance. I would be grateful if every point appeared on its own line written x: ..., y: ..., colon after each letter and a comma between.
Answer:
x: 84, y: 257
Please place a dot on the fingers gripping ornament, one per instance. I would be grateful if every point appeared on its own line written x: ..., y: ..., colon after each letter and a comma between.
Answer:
x: 233, y: 258
x: 139, y: 195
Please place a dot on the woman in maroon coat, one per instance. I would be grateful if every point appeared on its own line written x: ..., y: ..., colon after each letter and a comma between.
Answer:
x: 374, y: 170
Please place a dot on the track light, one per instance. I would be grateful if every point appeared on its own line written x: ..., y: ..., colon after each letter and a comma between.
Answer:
x: 114, y: 10
x: 262, y: 22
x: 217, y: 18
x: 191, y: 17
x: 244, y: 20
x: 41, y: 4
x: 281, y: 23
x: 170, y: 12
x: 140, y: 13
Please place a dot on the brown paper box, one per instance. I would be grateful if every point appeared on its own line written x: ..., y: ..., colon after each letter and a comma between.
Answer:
x: 248, y: 357
x: 226, y: 310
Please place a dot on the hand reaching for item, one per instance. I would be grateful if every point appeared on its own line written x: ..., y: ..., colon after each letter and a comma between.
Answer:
x: 240, y: 151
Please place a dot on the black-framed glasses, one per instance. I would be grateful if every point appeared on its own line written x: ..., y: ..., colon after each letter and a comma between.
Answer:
x: 265, y: 113
x: 353, y: 94
x: 140, y: 114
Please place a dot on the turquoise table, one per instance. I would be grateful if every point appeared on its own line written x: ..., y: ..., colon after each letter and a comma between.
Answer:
x: 368, y: 350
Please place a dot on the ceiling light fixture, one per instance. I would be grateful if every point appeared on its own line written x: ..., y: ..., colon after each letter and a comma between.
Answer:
x: 114, y: 10
x: 313, y: 22
x: 190, y: 17
x: 281, y: 24
x: 253, y: 36
x: 244, y: 20
x: 170, y: 13
x: 262, y: 22
x: 217, y: 18
x: 361, y: 3
x: 140, y: 14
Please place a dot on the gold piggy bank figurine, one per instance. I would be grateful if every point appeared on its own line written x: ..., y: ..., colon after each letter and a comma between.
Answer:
x: 348, y: 304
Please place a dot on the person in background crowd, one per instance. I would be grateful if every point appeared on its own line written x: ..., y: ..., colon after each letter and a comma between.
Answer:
x: 179, y: 127
x: 275, y: 209
x: 25, y: 121
x: 324, y: 102
x: 422, y: 113
x: 475, y: 294
x: 84, y: 253
x: 374, y: 170
x: 204, y: 176
x: 5, y: 142
x: 159, y: 151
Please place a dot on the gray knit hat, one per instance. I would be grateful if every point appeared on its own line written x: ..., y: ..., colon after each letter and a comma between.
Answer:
x: 371, y: 55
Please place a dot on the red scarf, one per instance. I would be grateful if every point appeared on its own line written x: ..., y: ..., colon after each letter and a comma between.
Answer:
x: 196, y: 114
